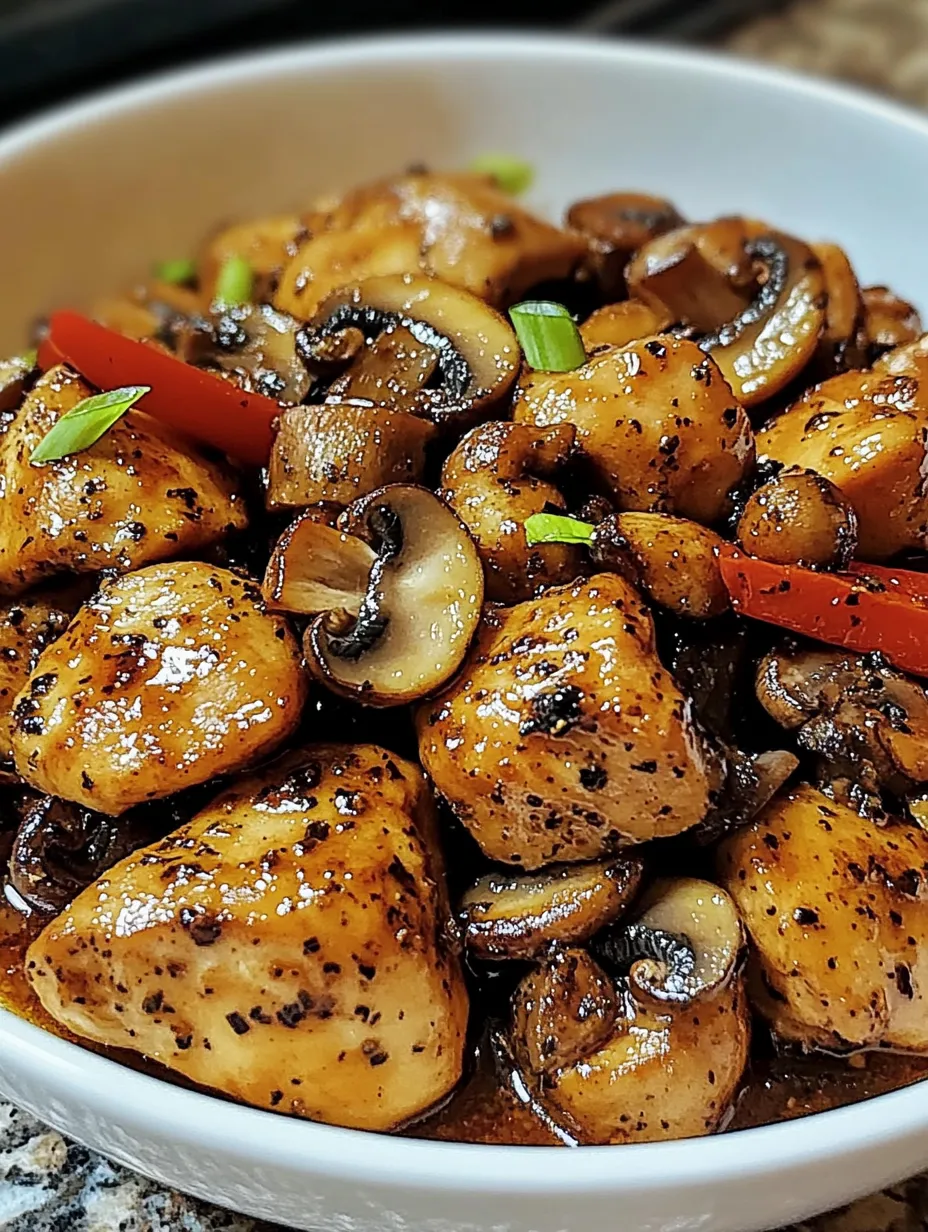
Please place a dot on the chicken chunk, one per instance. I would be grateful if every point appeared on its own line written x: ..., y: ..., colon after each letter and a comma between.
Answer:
x: 288, y: 947
x: 25, y: 630
x: 836, y: 911
x: 138, y: 495
x: 563, y: 738
x: 460, y: 228
x: 867, y: 433
x: 168, y: 677
x: 656, y: 419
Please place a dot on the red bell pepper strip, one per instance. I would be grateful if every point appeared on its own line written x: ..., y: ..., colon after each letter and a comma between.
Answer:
x: 869, y: 608
x: 205, y: 407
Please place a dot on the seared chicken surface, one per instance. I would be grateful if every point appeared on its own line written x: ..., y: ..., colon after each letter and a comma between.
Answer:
x: 839, y: 928
x: 563, y: 737
x: 289, y: 947
x: 168, y: 677
x: 138, y: 495
x: 489, y: 698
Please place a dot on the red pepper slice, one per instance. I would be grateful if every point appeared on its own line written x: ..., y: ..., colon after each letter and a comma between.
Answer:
x: 869, y: 608
x: 211, y: 410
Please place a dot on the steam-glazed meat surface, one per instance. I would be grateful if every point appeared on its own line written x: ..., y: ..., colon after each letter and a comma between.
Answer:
x: 464, y: 674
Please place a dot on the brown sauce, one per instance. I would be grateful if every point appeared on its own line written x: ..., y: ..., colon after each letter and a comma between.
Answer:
x: 487, y: 1109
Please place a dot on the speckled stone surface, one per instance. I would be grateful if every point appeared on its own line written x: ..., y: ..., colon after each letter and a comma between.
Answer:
x: 50, y: 1185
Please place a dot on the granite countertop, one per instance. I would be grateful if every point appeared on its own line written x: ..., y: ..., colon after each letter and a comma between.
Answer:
x: 50, y: 1185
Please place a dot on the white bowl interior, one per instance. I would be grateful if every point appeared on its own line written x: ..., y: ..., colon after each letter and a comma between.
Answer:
x: 93, y: 194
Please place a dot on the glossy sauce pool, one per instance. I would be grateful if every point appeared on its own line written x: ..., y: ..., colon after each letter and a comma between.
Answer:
x: 487, y: 1108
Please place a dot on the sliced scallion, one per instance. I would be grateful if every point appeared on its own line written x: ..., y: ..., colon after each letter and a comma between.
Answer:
x: 178, y: 272
x: 235, y: 283
x: 84, y: 424
x: 548, y: 336
x: 556, y: 528
x: 512, y: 175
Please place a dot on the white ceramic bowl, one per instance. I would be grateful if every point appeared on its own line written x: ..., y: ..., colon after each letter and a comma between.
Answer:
x: 89, y: 195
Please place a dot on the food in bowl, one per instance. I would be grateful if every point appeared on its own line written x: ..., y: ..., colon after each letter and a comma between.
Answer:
x: 463, y: 673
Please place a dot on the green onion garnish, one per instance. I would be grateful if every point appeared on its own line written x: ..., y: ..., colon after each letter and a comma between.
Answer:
x: 556, y: 528
x: 85, y: 423
x: 548, y: 335
x: 235, y: 282
x: 29, y: 359
x: 178, y: 272
x: 512, y: 175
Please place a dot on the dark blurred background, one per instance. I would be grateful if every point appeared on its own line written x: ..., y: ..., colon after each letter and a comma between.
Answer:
x: 53, y: 49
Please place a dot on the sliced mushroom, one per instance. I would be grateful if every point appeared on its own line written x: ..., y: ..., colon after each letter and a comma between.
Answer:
x: 696, y: 274
x: 316, y: 568
x: 765, y: 346
x: 684, y: 947
x: 866, y: 722
x: 843, y: 341
x: 615, y: 226
x: 477, y: 356
x: 616, y: 325
x: 889, y: 321
x: 518, y: 915
x: 253, y: 343
x: 753, y: 779
x: 800, y: 518
x: 398, y: 595
x: 500, y: 474
x: 339, y: 452
x: 673, y: 560
x: 562, y: 1012
x: 393, y: 369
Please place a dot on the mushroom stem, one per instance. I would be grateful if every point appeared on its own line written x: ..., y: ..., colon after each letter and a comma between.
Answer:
x: 659, y: 962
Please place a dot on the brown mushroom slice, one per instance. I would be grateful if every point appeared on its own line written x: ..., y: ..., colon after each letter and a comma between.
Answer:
x: 616, y: 325
x: 684, y: 946
x: 256, y: 344
x: 675, y: 274
x: 768, y: 344
x: 799, y: 518
x: 615, y: 226
x: 339, y: 452
x: 673, y: 560
x: 420, y: 608
x: 842, y: 343
x: 477, y: 355
x: 889, y: 320
x: 506, y: 915
x: 316, y: 568
x: 562, y: 1012
x: 392, y: 369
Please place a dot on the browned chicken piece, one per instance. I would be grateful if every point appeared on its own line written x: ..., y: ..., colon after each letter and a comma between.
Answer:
x: 867, y: 433
x: 288, y: 947
x: 147, y: 311
x: 138, y: 495
x: 656, y: 420
x: 267, y: 244
x: 835, y: 908
x: 166, y: 678
x: 25, y: 630
x: 460, y: 228
x: 563, y: 738
x: 499, y: 475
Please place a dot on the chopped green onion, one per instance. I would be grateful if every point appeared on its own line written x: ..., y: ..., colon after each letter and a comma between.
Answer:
x: 85, y: 423
x: 513, y: 175
x: 180, y: 271
x: 548, y: 335
x: 235, y: 282
x: 556, y: 528
x: 29, y: 359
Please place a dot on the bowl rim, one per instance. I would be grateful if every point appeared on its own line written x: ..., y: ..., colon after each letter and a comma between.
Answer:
x: 142, y: 1105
